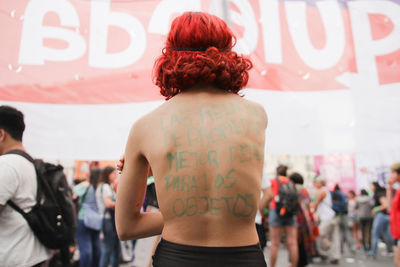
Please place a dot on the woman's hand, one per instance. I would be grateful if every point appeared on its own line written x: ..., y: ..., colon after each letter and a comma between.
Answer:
x: 120, y: 164
x: 373, y: 212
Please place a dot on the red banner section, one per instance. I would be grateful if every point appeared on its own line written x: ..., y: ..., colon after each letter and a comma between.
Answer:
x: 97, y: 52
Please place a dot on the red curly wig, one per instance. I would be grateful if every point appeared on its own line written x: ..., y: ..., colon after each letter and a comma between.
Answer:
x: 198, y: 50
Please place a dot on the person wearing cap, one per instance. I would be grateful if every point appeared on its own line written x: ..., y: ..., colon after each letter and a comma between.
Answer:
x: 394, y: 203
x: 328, y: 242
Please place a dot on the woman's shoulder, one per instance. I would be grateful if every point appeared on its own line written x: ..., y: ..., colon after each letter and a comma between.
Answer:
x: 282, y: 179
x: 99, y: 187
x: 105, y: 189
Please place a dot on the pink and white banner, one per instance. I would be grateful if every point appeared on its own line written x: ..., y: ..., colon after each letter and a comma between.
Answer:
x: 327, y: 72
x: 338, y: 169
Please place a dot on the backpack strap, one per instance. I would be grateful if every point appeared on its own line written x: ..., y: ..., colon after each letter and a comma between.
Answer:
x: 83, y: 198
x: 278, y: 180
x: 16, y: 208
x: 102, y: 199
x: 30, y: 159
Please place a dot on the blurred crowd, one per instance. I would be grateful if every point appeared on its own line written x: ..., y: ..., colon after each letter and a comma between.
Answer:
x: 100, y: 246
x: 327, y: 222
x: 323, y: 224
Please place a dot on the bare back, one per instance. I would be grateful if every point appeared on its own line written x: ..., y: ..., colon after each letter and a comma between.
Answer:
x: 206, y: 150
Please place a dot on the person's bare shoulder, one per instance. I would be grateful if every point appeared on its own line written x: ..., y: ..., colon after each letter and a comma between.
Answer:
x: 141, y: 128
x: 144, y: 121
x: 137, y: 132
x: 257, y: 110
x: 155, y: 113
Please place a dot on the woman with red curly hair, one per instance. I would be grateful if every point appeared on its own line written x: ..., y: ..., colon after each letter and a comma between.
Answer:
x: 205, y: 146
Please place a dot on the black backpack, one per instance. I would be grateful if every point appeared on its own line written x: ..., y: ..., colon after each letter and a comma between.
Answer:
x: 53, y: 218
x: 287, y: 199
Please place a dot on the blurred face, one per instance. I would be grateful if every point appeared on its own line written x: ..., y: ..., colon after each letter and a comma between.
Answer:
x: 317, y: 184
x: 112, y: 177
x: 395, y: 177
x: 373, y: 187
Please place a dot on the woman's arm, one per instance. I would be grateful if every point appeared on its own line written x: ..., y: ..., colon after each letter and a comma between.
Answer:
x: 109, y: 203
x: 131, y: 223
x: 267, y: 196
x: 384, y: 205
x: 320, y: 196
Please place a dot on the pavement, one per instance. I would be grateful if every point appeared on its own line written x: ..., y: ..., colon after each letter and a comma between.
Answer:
x: 359, y: 259
x: 348, y: 260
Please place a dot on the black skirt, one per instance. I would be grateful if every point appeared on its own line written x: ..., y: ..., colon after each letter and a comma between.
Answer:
x: 170, y: 254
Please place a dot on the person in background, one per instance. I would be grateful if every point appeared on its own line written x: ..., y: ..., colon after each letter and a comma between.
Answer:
x: 328, y: 242
x: 352, y: 216
x: 88, y: 239
x: 259, y: 220
x: 306, y: 234
x: 18, y: 244
x: 380, y: 224
x: 151, y: 194
x: 278, y: 223
x: 128, y: 246
x: 364, y: 205
x: 394, y: 204
x: 339, y: 205
x: 105, y: 196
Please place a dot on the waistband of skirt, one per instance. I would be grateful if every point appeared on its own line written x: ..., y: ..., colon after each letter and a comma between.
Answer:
x: 206, y: 249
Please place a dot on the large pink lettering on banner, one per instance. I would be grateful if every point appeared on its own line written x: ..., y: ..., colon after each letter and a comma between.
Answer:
x: 95, y: 52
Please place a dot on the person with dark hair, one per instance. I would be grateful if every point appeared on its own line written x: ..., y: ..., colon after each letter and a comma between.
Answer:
x: 340, y: 206
x: 306, y: 234
x: 208, y: 163
x: 276, y: 222
x: 260, y: 218
x: 18, y: 244
x: 88, y: 238
x: 105, y: 195
x: 394, y: 203
x: 339, y: 201
x: 281, y: 170
x: 296, y: 178
x: 364, y: 205
x: 380, y: 224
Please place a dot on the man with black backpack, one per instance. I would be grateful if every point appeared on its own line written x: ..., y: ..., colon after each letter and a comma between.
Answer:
x: 283, y: 196
x: 40, y: 213
x: 18, y: 244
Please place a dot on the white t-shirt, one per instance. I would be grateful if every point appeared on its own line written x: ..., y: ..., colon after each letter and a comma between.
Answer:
x: 18, y: 244
x: 325, y: 211
x: 264, y: 184
x: 102, y: 191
